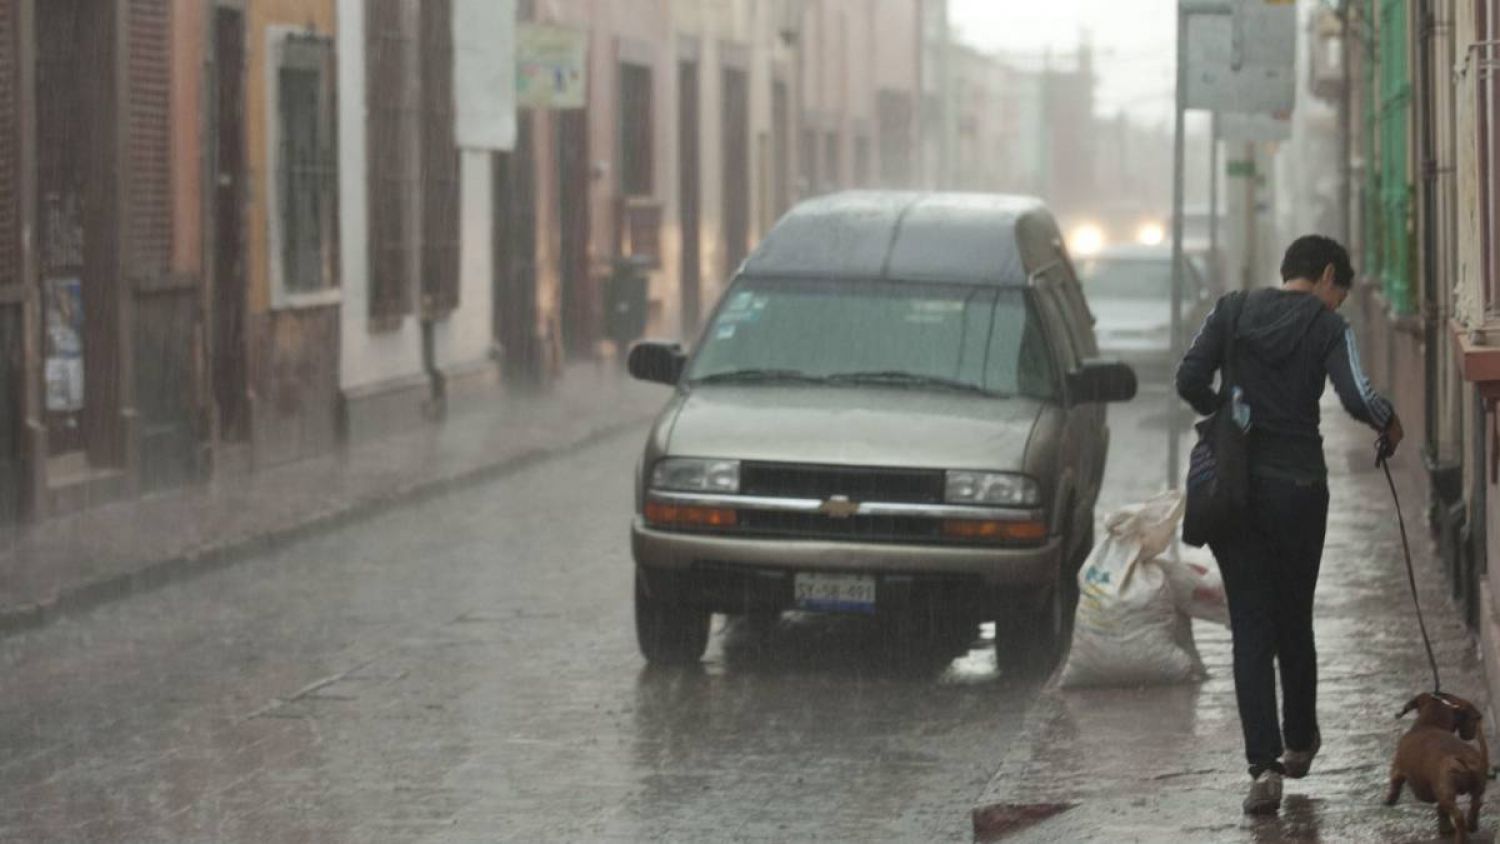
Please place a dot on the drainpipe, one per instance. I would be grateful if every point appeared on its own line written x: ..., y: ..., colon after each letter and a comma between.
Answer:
x: 437, y: 402
x: 1427, y: 158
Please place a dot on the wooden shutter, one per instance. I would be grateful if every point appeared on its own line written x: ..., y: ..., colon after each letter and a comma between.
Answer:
x: 148, y: 181
x: 387, y: 97
x: 440, y: 162
x: 10, y: 146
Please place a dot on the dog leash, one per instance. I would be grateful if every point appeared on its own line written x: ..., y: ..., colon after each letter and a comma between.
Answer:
x: 1381, y: 455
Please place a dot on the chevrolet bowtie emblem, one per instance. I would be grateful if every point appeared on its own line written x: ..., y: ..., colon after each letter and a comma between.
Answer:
x: 839, y: 507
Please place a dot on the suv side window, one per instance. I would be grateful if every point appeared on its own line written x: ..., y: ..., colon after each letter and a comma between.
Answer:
x: 1060, y: 334
x: 1080, y: 318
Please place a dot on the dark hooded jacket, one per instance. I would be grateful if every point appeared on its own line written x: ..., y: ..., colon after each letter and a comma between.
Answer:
x: 1286, y: 345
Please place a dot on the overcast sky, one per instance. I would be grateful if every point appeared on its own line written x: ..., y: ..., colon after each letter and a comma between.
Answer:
x: 1133, y: 43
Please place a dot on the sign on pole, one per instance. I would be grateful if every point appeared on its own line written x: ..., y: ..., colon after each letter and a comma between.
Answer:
x: 484, y: 74
x: 551, y: 66
x: 1245, y: 61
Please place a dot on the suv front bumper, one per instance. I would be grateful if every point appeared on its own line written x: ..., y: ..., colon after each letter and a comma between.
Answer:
x: 743, y: 574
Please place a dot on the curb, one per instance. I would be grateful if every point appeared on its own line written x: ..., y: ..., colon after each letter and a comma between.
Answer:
x: 151, y: 574
x: 1000, y: 810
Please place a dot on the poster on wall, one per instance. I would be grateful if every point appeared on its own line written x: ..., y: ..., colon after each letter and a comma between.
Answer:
x: 63, y: 363
x: 551, y: 64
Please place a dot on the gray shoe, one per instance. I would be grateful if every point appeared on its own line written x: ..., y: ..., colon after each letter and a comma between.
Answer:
x: 1265, y: 794
x: 1298, y: 762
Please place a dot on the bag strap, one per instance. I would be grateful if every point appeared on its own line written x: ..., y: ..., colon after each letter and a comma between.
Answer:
x: 1228, y: 366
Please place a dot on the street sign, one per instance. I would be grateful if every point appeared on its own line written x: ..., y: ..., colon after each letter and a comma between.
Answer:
x: 1244, y: 61
x: 484, y: 74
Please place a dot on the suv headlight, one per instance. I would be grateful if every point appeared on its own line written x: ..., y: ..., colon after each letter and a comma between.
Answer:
x: 692, y: 474
x: 1004, y: 489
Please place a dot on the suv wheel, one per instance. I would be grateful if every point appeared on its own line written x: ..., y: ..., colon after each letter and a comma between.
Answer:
x: 668, y: 633
x: 1031, y: 639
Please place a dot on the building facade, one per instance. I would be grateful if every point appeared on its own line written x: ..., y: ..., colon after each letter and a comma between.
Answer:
x: 1424, y: 192
x: 235, y: 233
x: 102, y: 279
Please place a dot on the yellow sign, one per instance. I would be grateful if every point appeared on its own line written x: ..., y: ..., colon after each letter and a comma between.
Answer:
x: 551, y: 66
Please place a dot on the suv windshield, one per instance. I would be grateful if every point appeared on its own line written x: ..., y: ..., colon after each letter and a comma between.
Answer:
x: 900, y: 334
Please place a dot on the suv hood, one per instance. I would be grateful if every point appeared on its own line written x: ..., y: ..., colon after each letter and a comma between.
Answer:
x: 864, y: 426
x: 1132, y: 323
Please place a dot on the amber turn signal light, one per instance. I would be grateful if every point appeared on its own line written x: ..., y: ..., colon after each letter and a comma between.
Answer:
x: 676, y: 515
x: 987, y: 530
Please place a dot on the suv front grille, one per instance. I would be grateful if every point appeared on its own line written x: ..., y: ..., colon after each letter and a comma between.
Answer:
x: 856, y: 528
x: 857, y: 483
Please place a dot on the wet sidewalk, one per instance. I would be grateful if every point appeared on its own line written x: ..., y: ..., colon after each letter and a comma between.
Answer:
x: 1167, y: 763
x: 79, y: 560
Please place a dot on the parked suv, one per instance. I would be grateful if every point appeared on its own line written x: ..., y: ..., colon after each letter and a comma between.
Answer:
x: 895, y: 407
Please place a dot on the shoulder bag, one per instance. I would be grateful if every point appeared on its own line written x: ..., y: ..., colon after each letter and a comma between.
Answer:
x: 1218, y: 480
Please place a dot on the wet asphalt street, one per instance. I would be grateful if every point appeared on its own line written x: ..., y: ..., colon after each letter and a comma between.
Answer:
x: 465, y: 670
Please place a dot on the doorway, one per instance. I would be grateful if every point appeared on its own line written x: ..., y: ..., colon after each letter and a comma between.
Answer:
x: 78, y: 192
x: 579, y: 302
x: 229, y: 347
x: 689, y: 191
x: 514, y: 300
x: 736, y: 169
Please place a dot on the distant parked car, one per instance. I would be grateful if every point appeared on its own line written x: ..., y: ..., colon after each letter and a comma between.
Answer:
x: 895, y: 406
x: 1129, y: 289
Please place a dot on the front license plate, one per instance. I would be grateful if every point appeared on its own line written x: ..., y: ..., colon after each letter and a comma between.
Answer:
x: 835, y: 592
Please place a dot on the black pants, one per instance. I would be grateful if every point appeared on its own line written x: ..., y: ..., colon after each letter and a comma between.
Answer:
x: 1270, y: 572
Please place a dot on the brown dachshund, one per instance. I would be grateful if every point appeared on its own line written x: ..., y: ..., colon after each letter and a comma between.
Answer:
x: 1440, y: 765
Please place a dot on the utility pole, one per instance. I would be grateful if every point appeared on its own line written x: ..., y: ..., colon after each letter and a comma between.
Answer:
x: 1179, y: 116
x: 1186, y: 9
x: 950, y: 100
x: 1346, y: 133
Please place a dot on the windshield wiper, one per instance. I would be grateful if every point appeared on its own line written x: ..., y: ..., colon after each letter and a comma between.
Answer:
x: 909, y: 379
x: 760, y: 375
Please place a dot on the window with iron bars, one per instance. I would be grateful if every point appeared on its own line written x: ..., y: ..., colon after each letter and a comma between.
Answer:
x: 305, y: 190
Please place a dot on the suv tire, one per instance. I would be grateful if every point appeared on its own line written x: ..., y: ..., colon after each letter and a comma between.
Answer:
x: 669, y: 633
x: 1031, y: 639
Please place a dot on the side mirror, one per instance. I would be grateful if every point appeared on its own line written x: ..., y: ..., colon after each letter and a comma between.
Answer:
x: 658, y: 362
x: 1101, y: 381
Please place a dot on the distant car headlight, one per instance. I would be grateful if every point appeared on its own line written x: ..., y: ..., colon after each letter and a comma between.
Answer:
x: 692, y: 474
x: 1150, y: 234
x: 1001, y: 488
x: 1086, y: 239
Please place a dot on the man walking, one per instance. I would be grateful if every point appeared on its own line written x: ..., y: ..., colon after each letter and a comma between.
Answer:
x: 1287, y: 342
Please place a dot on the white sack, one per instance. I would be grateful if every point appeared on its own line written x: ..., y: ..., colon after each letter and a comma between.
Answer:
x: 1197, y: 586
x: 1128, y: 631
